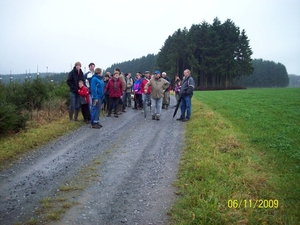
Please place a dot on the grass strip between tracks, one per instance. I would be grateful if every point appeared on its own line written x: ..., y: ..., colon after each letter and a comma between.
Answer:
x: 233, y: 169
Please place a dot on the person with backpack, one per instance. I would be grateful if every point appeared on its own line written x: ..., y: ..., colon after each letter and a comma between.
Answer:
x: 186, y: 93
x: 97, y: 90
x: 159, y: 85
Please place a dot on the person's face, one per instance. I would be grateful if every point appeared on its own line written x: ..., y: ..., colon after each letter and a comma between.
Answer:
x: 186, y: 73
x: 92, y: 67
x: 138, y: 76
x: 163, y: 75
x: 157, y: 75
x: 147, y: 75
x: 116, y: 76
x: 78, y: 67
x: 80, y: 85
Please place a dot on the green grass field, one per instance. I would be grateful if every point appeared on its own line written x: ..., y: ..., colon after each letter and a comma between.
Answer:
x: 240, y: 163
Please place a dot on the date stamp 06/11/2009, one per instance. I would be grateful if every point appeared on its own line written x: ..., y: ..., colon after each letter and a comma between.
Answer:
x: 254, y: 204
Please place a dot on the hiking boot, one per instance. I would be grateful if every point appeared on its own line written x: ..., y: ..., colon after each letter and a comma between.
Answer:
x: 108, y: 115
x: 153, y: 117
x: 96, y: 126
x: 180, y: 119
x: 116, y: 115
x: 157, y: 117
x: 71, y: 115
x: 185, y: 120
x: 76, y: 115
x: 99, y: 124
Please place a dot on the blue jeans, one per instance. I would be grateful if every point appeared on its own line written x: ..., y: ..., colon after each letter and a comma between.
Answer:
x: 74, y: 101
x: 156, y: 104
x: 186, y: 106
x: 96, y: 109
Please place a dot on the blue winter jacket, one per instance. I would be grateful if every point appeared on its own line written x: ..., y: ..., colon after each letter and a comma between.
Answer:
x: 97, y: 87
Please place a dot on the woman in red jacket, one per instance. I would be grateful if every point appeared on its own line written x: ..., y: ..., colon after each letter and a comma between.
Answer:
x: 115, y: 89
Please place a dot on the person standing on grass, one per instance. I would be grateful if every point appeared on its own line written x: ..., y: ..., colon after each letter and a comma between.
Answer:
x: 159, y: 85
x: 97, y: 89
x: 74, y: 77
x: 84, y: 93
x: 115, y: 89
x: 166, y: 98
x: 138, y: 101
x: 186, y: 93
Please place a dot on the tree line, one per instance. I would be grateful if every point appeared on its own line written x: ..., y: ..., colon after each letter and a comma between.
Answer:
x: 266, y: 74
x: 215, y: 53
x: 218, y: 55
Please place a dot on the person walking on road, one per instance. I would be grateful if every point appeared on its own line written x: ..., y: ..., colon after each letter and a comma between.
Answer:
x: 159, y: 85
x: 186, y: 93
x: 73, y: 78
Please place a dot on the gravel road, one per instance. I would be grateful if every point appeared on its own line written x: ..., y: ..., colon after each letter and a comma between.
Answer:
x: 126, y: 170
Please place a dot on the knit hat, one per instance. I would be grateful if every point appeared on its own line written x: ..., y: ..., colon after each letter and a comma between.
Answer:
x: 157, y: 72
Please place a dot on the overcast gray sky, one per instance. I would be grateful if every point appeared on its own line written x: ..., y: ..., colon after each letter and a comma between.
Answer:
x: 57, y: 33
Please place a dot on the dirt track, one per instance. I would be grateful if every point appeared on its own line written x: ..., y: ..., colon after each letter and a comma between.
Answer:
x: 131, y: 183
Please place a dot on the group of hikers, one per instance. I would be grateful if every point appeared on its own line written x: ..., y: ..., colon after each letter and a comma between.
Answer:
x: 92, y: 92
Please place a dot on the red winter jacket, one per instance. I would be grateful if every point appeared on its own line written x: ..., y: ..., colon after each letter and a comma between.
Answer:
x: 144, y: 82
x: 114, y: 88
x: 84, y: 91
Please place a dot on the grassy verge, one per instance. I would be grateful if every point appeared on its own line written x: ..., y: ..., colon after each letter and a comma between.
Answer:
x: 13, y: 147
x: 240, y: 163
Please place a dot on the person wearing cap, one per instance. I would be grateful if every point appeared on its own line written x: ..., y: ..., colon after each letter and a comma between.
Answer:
x: 73, y: 78
x: 159, y: 85
x: 186, y: 93
x: 166, y: 98
x: 146, y: 96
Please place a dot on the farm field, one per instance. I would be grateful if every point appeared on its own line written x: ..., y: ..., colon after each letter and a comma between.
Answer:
x: 240, y: 162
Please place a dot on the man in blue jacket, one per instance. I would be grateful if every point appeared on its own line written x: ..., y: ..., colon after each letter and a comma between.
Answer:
x: 97, y: 91
x: 186, y: 93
